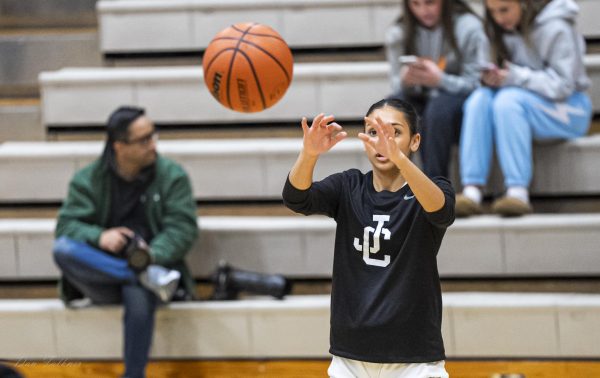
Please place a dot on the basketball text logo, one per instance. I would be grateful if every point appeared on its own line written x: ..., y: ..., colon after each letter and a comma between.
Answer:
x: 366, y: 249
x: 243, y: 93
x: 216, y: 85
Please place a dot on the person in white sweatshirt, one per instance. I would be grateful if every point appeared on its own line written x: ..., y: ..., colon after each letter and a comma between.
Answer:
x: 434, y: 51
x: 535, y: 87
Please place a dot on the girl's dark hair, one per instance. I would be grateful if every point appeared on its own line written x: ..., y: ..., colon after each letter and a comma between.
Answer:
x: 402, y: 106
x: 449, y: 9
x: 499, y: 51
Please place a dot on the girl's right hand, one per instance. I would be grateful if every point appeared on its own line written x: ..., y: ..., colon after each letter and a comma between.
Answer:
x: 322, y: 135
x: 494, y: 78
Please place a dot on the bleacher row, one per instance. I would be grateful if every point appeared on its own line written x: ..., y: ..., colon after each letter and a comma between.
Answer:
x: 530, y: 325
x: 177, y: 95
x: 298, y: 247
x: 262, y: 164
x: 551, y: 245
x: 189, y: 25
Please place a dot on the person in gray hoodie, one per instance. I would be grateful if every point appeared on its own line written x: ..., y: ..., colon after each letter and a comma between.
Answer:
x: 535, y: 89
x: 434, y: 51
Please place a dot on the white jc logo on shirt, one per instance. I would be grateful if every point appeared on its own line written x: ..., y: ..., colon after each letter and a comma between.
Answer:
x: 377, y: 232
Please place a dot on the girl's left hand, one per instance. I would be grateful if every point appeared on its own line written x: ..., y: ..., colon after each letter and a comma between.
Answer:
x: 425, y: 72
x: 494, y: 78
x: 384, y: 142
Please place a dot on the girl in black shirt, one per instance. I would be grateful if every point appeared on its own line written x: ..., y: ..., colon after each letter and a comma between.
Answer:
x: 386, y: 304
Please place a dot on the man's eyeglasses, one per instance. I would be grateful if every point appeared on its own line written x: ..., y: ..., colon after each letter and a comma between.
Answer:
x: 144, y: 140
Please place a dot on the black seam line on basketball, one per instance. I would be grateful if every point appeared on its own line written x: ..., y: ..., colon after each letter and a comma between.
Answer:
x: 247, y: 30
x: 266, y: 35
x: 287, y: 75
x: 252, y: 34
x: 237, y: 48
x: 260, y: 91
x: 214, y: 58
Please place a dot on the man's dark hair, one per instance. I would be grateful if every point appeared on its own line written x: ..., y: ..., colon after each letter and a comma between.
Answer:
x: 402, y: 106
x: 117, y: 127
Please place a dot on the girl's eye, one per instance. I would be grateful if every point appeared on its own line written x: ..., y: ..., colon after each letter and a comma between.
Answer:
x: 372, y: 132
x: 397, y: 132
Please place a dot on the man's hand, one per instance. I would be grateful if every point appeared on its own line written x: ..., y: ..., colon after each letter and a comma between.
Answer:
x: 114, y: 239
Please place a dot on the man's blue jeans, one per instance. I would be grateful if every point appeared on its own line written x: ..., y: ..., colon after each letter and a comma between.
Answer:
x: 106, y: 279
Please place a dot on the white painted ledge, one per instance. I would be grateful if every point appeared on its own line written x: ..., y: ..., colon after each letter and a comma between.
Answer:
x: 486, y: 325
x: 302, y: 247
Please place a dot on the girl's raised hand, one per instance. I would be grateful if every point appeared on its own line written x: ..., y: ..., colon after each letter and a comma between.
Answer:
x: 322, y: 134
x: 384, y: 143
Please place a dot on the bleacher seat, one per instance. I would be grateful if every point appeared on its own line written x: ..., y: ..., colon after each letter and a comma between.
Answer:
x: 487, y: 246
x: 177, y: 95
x: 189, y: 25
x: 185, y: 25
x: 533, y: 326
x: 566, y: 168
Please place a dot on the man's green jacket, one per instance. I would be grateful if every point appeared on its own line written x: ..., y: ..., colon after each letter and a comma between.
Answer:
x: 170, y: 210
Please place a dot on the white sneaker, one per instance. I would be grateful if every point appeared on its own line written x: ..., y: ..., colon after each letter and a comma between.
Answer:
x: 161, y: 281
x: 80, y: 303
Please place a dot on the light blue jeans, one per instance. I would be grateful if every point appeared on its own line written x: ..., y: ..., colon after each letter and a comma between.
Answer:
x: 510, y: 119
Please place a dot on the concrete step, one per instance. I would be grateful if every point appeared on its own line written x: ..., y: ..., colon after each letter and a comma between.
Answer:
x: 177, y: 95
x: 191, y: 25
x: 563, y: 245
x: 227, y: 208
x: 301, y: 55
x: 541, y: 205
x: 20, y: 120
x: 26, y: 53
x: 560, y: 169
x: 184, y: 26
x: 474, y: 325
x: 315, y: 286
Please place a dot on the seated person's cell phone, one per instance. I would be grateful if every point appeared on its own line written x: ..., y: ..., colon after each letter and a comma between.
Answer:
x: 408, y: 59
x: 487, y: 67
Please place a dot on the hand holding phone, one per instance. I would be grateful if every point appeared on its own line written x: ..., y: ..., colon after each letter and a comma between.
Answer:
x: 487, y: 66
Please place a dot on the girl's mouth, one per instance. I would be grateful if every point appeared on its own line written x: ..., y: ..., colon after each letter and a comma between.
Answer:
x: 380, y: 157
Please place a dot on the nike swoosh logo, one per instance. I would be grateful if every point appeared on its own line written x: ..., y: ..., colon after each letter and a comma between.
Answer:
x: 561, y: 112
x: 407, y: 197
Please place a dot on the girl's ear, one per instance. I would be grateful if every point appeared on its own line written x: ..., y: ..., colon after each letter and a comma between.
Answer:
x: 415, y: 142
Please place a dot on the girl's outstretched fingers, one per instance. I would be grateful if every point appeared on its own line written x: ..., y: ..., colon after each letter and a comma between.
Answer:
x: 304, y: 124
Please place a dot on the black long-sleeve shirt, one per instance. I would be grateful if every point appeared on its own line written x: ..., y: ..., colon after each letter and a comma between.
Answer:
x: 386, y: 302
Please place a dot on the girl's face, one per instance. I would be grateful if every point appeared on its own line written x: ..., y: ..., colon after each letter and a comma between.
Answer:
x: 506, y: 13
x: 427, y: 12
x: 406, y: 142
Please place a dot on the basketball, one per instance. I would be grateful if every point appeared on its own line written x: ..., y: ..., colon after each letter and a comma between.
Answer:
x: 248, y: 67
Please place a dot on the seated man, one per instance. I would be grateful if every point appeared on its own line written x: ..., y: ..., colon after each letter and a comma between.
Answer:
x: 129, y: 195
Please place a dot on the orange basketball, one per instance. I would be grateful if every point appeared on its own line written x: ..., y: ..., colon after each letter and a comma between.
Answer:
x: 248, y: 67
